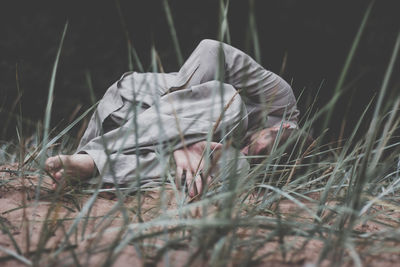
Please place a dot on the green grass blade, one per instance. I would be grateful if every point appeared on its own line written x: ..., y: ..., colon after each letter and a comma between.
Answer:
x: 16, y: 256
x: 51, y: 90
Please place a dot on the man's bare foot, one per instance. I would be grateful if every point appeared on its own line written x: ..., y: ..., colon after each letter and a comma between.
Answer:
x: 79, y: 166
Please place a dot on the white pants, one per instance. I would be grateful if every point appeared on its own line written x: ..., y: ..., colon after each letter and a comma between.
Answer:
x: 149, y: 113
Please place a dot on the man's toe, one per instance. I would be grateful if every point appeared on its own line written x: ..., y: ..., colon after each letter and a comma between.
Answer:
x: 58, y: 175
x: 49, y: 164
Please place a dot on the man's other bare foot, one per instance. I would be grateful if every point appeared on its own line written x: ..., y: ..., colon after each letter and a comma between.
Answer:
x: 80, y: 166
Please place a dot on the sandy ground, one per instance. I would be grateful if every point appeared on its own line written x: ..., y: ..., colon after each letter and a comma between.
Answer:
x: 19, y: 215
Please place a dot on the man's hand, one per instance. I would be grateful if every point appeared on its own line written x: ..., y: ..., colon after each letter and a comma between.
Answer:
x: 191, y: 161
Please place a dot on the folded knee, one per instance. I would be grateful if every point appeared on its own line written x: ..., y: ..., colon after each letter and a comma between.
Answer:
x: 209, y: 44
x: 231, y: 97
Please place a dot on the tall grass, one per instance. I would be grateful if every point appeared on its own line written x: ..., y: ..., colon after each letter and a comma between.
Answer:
x: 240, y: 219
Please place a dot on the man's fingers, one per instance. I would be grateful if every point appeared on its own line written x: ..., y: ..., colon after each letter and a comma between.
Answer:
x: 178, y: 177
x: 206, y: 182
x: 190, y: 184
x: 209, y: 180
x: 199, y: 184
x: 192, y: 160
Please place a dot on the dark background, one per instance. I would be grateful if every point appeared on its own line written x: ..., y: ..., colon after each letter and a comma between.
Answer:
x: 315, y: 36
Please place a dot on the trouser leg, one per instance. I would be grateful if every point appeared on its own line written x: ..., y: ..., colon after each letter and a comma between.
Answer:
x: 97, y: 125
x: 220, y: 61
x: 93, y: 130
x: 190, y: 113
x: 205, y: 57
x: 268, y: 97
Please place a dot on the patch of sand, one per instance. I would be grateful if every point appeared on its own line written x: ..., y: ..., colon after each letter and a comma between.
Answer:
x: 26, y: 223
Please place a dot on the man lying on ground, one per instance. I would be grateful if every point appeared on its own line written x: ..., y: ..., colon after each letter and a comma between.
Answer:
x: 219, y: 89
